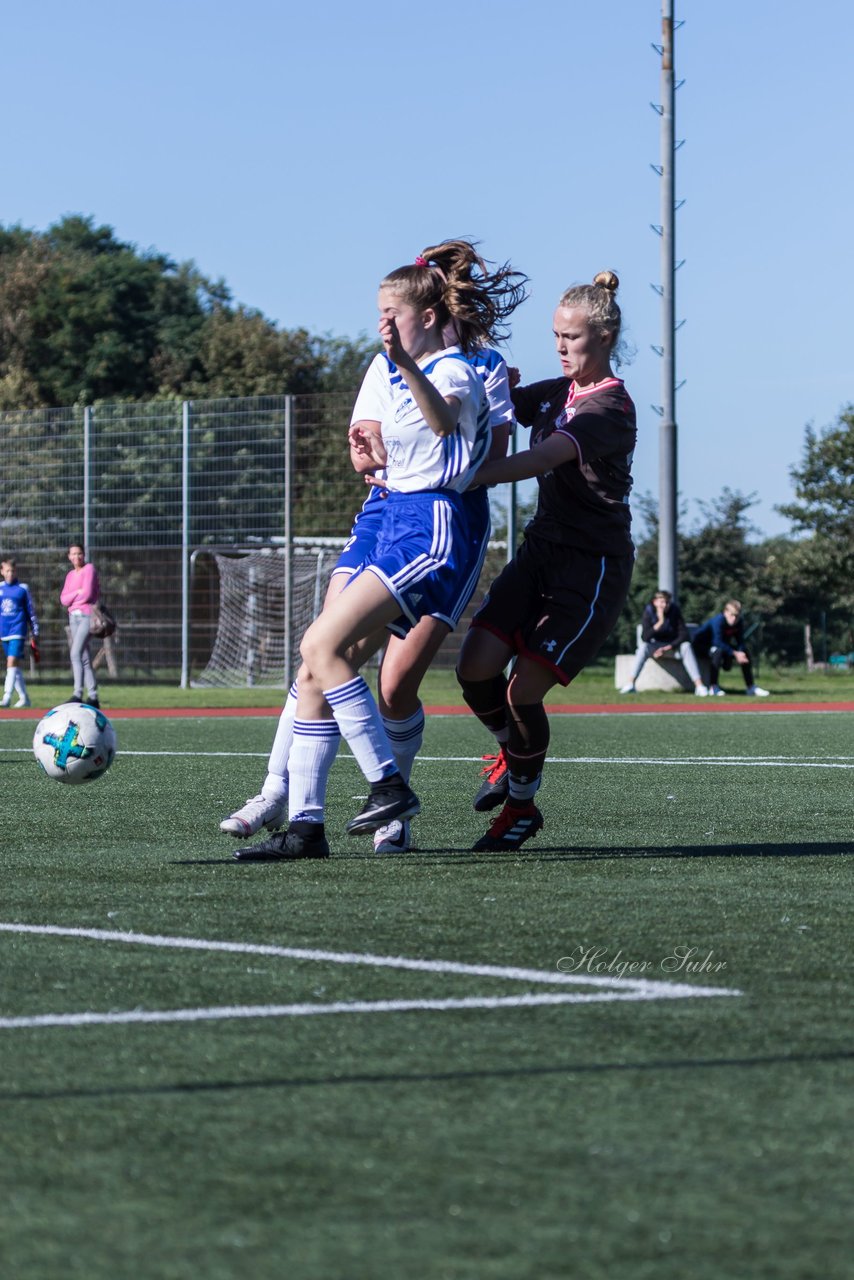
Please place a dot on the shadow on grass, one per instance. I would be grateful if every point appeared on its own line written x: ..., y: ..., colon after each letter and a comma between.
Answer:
x: 176, y: 1088
x: 554, y: 853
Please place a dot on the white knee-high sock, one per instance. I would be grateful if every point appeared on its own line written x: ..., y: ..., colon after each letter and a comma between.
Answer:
x: 276, y: 783
x: 358, y: 717
x: 406, y: 737
x: 313, y: 750
x: 10, y: 682
x: 20, y: 683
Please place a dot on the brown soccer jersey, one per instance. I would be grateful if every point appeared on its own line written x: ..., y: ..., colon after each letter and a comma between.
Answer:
x: 583, y: 503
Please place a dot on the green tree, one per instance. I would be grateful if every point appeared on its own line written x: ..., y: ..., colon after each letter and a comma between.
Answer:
x: 719, y: 559
x: 86, y: 317
x: 824, y: 510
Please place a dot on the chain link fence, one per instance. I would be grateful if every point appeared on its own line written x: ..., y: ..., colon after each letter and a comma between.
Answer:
x: 159, y: 493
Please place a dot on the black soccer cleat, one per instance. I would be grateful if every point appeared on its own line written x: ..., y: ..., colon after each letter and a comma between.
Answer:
x: 495, y: 787
x: 301, y: 840
x: 509, y: 831
x: 390, y: 798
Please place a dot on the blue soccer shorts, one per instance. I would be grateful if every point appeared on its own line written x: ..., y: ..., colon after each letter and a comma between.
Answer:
x: 14, y: 647
x: 422, y: 554
x: 363, y: 535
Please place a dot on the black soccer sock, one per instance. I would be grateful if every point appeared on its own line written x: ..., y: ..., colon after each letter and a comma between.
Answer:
x: 526, y: 750
x: 488, y: 700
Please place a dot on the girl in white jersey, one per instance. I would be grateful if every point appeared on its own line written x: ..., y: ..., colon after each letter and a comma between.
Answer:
x: 409, y: 651
x: 429, y: 430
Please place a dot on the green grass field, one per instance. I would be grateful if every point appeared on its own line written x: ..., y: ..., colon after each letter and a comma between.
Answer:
x: 594, y: 685
x: 304, y: 1104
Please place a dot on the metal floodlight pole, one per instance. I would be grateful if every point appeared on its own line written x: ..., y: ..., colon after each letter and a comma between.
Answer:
x: 668, y: 562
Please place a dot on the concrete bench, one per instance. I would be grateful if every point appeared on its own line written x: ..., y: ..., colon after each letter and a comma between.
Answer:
x: 664, y: 674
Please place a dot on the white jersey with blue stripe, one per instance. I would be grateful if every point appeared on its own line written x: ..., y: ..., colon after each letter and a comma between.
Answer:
x: 417, y: 458
x: 491, y: 367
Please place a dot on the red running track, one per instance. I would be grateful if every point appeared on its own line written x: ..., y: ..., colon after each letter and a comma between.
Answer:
x: 590, y: 709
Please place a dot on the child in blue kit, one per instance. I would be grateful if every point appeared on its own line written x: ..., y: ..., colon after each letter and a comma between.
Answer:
x: 17, y: 617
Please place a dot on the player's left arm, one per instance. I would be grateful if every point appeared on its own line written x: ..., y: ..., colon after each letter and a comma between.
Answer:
x: 536, y: 461
x: 31, y: 614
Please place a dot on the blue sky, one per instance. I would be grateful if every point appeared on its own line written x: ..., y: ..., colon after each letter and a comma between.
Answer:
x: 300, y: 151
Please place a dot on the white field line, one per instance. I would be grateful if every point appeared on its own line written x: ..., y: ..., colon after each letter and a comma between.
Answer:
x: 732, y: 762
x: 605, y: 988
x: 225, y: 1012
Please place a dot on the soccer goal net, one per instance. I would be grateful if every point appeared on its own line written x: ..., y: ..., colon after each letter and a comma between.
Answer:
x: 257, y: 636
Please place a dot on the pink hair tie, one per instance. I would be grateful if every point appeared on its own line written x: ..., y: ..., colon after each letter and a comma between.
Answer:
x: 421, y: 262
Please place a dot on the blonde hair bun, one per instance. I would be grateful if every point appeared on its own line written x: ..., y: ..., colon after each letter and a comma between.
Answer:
x: 607, y: 280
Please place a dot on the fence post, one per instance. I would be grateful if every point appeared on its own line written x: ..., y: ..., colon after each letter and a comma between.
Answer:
x: 87, y: 475
x: 289, y: 550
x: 185, y: 544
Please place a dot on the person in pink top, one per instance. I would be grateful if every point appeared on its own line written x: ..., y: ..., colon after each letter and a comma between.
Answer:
x: 78, y: 595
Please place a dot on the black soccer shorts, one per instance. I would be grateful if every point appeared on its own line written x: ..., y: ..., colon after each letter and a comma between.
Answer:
x: 557, y: 605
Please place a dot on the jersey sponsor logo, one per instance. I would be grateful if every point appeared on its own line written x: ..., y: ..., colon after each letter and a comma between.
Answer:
x: 402, y: 408
x: 394, y: 452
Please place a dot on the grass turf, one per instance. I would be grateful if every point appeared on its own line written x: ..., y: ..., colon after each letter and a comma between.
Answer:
x: 594, y: 685
x: 701, y: 1137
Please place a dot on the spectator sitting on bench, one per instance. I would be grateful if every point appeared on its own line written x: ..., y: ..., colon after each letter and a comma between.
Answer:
x: 722, y: 640
x: 664, y: 635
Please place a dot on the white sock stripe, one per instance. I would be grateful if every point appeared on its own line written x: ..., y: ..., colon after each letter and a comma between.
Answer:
x: 341, y: 693
x: 396, y: 736
x: 316, y: 729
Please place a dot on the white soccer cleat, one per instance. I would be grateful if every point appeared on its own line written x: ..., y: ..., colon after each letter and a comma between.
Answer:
x: 628, y: 688
x: 23, y: 702
x: 700, y: 691
x: 392, y: 838
x: 717, y: 692
x: 755, y: 692
x: 255, y: 814
x: 6, y: 700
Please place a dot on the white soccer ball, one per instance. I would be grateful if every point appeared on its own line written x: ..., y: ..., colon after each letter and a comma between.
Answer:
x: 74, y: 743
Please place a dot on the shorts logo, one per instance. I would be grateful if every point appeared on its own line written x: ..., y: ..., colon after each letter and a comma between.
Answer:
x: 549, y: 645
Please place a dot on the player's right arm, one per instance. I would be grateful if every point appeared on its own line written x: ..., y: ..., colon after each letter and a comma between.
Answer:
x: 441, y: 413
